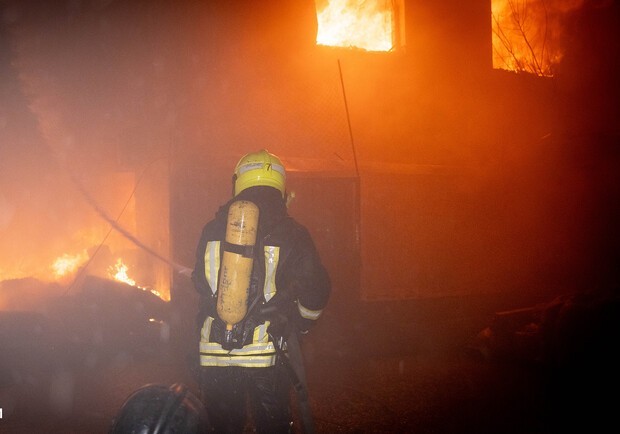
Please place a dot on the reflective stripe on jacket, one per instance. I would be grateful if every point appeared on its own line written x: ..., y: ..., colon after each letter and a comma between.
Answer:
x: 259, y: 353
x: 212, y: 267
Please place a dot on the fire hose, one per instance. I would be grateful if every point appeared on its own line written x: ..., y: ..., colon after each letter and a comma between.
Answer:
x: 114, y: 225
x: 177, y: 267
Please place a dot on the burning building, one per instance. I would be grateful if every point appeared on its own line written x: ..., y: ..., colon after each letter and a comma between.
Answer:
x: 137, y: 111
x: 434, y: 149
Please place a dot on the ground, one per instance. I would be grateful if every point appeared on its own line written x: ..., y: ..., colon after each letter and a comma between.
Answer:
x: 374, y: 370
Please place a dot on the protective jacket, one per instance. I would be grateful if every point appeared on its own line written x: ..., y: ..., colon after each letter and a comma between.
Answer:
x: 289, y: 284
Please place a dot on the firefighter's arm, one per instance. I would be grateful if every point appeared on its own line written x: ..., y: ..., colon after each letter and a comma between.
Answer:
x: 312, y: 301
x: 310, y: 286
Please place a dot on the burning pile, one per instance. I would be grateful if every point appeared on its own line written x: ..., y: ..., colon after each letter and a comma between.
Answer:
x: 67, y: 268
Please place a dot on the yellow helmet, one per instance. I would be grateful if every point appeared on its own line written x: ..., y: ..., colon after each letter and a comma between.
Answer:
x: 259, y: 168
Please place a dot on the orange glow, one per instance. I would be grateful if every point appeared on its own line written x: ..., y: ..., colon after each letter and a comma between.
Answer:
x: 364, y: 24
x: 62, y: 248
x: 68, y: 264
x: 53, y: 245
x: 526, y: 34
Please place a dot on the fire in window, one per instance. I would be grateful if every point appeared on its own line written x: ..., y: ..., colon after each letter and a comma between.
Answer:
x: 527, y: 34
x: 371, y: 25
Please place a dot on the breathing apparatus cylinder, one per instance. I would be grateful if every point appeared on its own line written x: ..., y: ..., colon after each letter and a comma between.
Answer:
x: 236, y: 266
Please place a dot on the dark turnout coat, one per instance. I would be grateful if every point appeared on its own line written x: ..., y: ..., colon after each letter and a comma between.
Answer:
x: 289, y: 286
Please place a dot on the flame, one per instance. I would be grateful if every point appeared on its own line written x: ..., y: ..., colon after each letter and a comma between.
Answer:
x: 67, y: 264
x: 365, y: 24
x: 526, y: 34
x: 118, y: 272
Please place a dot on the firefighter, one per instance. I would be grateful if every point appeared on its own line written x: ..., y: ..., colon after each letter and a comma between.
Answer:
x: 261, y: 284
